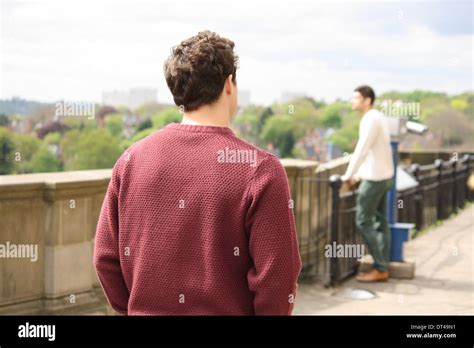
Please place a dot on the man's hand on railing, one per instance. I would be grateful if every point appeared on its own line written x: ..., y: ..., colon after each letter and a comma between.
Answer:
x: 350, y: 183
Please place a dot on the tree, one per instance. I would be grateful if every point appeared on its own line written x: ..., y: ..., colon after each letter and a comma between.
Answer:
x: 278, y: 130
x: 45, y: 161
x: 452, y: 126
x: 52, y: 138
x: 413, y: 96
x: 42, y: 114
x: 7, y: 147
x: 142, y: 134
x: 25, y: 147
x: 346, y: 137
x: 305, y: 116
x: 144, y: 125
x: 264, y: 116
x: 247, y: 126
x: 459, y: 104
x: 4, y: 121
x: 114, y: 123
x: 147, y: 110
x: 90, y: 149
x: 49, y: 127
x: 331, y: 117
x: 102, y: 112
x: 165, y: 117
x: 260, y: 112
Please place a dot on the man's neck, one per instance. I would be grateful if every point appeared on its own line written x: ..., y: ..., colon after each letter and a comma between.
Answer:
x: 366, y: 111
x: 187, y: 120
x: 207, y: 116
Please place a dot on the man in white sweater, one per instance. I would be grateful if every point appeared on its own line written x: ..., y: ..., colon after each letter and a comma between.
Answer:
x: 372, y: 163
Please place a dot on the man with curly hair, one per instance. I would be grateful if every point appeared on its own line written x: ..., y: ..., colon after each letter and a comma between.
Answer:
x: 196, y: 221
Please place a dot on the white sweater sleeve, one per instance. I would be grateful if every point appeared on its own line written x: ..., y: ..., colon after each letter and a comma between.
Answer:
x: 368, y: 131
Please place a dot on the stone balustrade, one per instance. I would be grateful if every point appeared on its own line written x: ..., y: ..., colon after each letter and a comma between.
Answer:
x: 58, y: 213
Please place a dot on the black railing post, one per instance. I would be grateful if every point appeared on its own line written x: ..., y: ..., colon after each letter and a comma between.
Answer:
x: 415, y: 169
x: 465, y: 161
x: 455, y: 186
x: 336, y: 183
x: 439, y: 193
x: 470, y: 170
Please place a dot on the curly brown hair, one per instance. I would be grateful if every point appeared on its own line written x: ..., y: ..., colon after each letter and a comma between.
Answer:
x: 197, y: 69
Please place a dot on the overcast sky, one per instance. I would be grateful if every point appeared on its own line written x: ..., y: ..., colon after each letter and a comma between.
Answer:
x: 75, y: 49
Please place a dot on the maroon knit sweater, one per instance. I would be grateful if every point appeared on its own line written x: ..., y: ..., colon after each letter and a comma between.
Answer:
x: 196, y: 221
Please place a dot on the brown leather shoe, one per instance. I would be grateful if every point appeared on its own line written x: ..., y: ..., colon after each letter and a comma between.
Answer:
x: 372, y: 276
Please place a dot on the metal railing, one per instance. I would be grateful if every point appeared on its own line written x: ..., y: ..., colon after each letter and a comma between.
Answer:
x: 442, y: 191
x: 330, y: 214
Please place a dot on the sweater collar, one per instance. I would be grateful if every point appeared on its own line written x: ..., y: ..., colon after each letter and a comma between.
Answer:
x: 197, y: 128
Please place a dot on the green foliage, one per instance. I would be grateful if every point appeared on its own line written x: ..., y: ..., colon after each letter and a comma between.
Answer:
x: 25, y: 148
x: 45, y: 161
x: 264, y: 116
x: 4, y: 121
x: 147, y: 110
x: 165, y: 117
x: 144, y: 125
x: 460, y: 104
x: 73, y: 122
x: 279, y: 131
x: 91, y: 149
x: 331, y: 117
x: 125, y: 144
x: 303, y: 112
x: 52, y: 138
x: 415, y: 96
x: 88, y: 125
x: 248, y: 125
x: 346, y: 137
x: 86, y: 146
x: 114, y: 123
x: 142, y: 134
x: 299, y: 153
x: 452, y: 126
x: 7, y: 147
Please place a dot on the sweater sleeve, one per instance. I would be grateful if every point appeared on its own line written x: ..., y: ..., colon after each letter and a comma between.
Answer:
x: 106, y: 248
x: 273, y: 243
x: 367, y: 134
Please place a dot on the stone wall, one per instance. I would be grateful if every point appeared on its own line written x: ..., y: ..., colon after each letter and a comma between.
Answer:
x: 58, y: 213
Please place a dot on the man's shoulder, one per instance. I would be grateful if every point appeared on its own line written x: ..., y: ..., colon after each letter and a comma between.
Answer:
x: 261, y: 153
x: 267, y: 163
x: 373, y: 113
x: 373, y: 116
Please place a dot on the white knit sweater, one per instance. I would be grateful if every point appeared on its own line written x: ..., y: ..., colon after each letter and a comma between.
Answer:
x: 372, y: 158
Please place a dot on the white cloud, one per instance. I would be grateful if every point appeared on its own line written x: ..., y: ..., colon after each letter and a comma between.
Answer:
x: 53, y: 50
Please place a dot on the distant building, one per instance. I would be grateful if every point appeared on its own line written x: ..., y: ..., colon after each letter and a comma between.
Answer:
x: 22, y: 125
x: 132, y: 99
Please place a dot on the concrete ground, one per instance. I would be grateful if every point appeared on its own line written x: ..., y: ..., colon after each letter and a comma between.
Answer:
x: 443, y: 283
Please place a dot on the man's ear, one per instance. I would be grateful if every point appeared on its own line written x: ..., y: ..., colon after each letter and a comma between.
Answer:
x: 229, y: 84
x: 367, y: 101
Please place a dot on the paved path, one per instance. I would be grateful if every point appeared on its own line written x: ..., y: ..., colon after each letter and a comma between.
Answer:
x: 443, y: 283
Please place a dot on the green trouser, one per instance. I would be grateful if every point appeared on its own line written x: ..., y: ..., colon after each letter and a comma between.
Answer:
x: 371, y: 220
